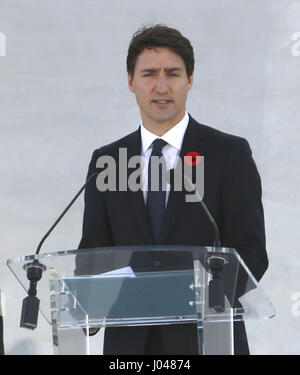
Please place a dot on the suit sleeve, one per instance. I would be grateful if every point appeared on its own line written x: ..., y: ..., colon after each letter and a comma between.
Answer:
x: 242, y: 212
x: 96, y: 230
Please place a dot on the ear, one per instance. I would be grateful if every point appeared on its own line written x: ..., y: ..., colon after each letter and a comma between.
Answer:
x: 191, y: 80
x: 130, y: 82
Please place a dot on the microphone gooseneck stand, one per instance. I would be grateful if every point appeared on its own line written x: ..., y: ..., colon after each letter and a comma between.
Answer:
x: 34, y: 272
x: 215, y: 263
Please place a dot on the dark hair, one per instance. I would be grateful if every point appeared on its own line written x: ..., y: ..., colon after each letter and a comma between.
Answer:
x: 160, y: 36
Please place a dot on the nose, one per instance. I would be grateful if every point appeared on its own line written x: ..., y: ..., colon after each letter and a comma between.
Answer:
x: 161, y: 86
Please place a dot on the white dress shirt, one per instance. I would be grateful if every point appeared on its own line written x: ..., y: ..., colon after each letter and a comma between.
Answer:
x: 174, y: 139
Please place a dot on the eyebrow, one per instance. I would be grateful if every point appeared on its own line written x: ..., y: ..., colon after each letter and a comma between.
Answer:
x: 155, y: 70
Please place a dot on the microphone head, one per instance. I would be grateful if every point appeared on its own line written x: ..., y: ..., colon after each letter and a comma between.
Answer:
x: 30, y: 312
x: 30, y: 306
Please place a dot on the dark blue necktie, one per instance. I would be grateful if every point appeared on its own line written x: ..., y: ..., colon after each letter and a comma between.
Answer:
x: 156, y: 198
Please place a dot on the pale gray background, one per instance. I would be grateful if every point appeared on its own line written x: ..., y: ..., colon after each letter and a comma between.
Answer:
x: 63, y: 93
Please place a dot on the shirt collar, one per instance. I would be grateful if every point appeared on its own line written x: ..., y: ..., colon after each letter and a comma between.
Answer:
x: 173, y: 137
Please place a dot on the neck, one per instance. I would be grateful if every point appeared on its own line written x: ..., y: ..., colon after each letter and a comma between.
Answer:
x: 160, y: 128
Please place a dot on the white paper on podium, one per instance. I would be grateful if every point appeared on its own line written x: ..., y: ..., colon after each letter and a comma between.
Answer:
x: 124, y: 272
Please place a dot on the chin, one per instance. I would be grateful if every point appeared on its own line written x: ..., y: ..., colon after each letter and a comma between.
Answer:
x: 163, y: 117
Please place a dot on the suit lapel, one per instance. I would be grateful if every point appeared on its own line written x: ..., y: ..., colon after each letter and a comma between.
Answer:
x: 136, y: 199
x: 176, y: 199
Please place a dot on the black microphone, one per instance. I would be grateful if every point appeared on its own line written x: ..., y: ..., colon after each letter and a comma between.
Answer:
x: 34, y: 270
x: 215, y: 263
x: 203, y: 205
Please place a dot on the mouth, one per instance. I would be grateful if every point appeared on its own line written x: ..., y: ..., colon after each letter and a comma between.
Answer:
x: 162, y: 103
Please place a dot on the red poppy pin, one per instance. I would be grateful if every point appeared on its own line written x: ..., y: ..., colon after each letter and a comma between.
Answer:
x: 192, y: 158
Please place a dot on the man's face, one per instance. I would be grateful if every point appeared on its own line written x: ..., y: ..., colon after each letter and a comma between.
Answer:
x: 160, y: 84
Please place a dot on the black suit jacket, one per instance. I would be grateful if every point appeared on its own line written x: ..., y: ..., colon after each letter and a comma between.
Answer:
x: 232, y: 193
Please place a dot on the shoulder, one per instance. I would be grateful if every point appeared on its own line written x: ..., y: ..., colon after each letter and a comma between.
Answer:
x: 217, y: 139
x: 124, y: 142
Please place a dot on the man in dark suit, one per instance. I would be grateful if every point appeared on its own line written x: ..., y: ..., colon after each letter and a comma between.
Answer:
x: 160, y: 67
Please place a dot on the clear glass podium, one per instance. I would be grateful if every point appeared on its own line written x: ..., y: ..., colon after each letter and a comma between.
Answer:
x: 81, y: 290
